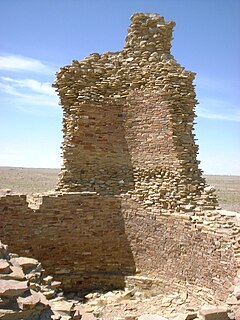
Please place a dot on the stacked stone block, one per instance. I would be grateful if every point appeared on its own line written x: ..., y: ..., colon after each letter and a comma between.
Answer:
x: 128, y: 122
x: 24, y: 291
x: 90, y: 241
x: 131, y: 205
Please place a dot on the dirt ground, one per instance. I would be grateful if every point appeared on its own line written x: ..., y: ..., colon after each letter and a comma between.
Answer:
x: 29, y: 180
x: 227, y: 189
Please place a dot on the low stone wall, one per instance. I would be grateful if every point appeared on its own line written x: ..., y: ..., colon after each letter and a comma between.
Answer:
x: 70, y: 234
x: 88, y: 240
x: 184, y: 250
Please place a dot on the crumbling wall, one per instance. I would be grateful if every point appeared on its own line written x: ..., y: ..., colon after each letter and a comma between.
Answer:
x: 130, y: 199
x: 71, y: 234
x: 94, y: 241
x: 128, y: 122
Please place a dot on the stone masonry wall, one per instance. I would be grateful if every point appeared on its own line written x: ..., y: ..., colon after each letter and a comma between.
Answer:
x: 128, y: 122
x: 92, y: 241
x: 130, y: 204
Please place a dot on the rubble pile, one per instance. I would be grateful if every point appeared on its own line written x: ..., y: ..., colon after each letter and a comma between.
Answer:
x: 24, y: 291
x: 144, y: 305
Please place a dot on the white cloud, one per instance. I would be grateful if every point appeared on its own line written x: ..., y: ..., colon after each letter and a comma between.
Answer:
x: 34, y: 85
x: 28, y: 91
x: 218, y: 86
x: 23, y: 64
x: 218, y: 98
x: 217, y: 109
x: 204, y: 113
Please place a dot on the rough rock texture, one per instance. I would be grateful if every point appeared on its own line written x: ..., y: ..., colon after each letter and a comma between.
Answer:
x: 23, y: 289
x: 131, y: 207
x: 92, y: 241
x: 34, y: 297
x: 128, y: 122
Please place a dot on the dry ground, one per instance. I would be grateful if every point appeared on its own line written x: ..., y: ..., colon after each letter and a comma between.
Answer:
x: 28, y: 180
x: 228, y: 190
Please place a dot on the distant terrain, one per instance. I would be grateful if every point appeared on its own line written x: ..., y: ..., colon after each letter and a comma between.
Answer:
x: 227, y: 189
x: 29, y: 180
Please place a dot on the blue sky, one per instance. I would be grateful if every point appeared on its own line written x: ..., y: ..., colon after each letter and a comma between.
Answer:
x: 39, y: 37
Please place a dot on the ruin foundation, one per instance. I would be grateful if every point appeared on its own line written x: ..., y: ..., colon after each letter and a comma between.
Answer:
x: 131, y: 206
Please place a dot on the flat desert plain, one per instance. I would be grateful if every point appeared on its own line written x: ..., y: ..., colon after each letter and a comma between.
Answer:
x: 29, y: 180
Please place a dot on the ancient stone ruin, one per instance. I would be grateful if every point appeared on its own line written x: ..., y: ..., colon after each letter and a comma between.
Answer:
x: 131, y: 208
x: 128, y: 122
x: 23, y: 289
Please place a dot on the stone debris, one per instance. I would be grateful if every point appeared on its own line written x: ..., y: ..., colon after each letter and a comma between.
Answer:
x: 12, y: 288
x: 24, y: 290
x: 214, y: 313
x: 131, y: 208
x: 185, y: 316
x: 19, y: 299
x: 62, y: 306
x: 113, y: 305
x: 151, y: 317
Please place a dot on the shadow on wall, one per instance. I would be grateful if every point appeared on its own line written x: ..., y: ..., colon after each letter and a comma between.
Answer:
x: 95, y: 150
x: 80, y: 239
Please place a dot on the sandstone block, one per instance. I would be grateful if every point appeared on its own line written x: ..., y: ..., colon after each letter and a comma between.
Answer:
x: 61, y: 306
x: 151, y: 317
x: 214, y: 313
x: 4, y: 266
x: 26, y: 263
x: 12, y: 288
x: 17, y: 273
x: 30, y: 300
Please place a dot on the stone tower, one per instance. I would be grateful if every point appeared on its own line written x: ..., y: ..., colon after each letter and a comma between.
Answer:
x: 128, y: 122
x: 131, y: 207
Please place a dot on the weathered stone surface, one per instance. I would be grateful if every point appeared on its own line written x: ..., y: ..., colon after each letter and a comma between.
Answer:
x: 185, y: 316
x: 237, y: 314
x: 25, y: 263
x: 33, y: 298
x: 131, y: 318
x: 12, y: 288
x: 8, y: 314
x: 236, y: 292
x: 61, y: 306
x: 151, y: 317
x: 28, y: 302
x: 4, y: 266
x: 3, y: 250
x: 87, y: 316
x: 209, y: 189
x: 214, y: 313
x: 56, y: 284
x: 16, y: 273
x: 131, y: 198
x: 17, y: 300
